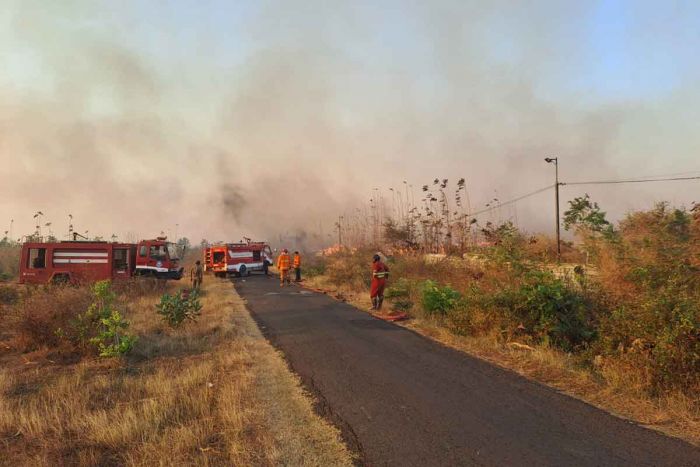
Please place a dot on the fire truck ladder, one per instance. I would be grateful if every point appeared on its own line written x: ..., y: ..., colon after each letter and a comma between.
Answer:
x: 207, y: 257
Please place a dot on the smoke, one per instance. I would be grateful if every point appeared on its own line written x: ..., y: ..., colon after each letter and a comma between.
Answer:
x: 233, y: 201
x: 272, y: 121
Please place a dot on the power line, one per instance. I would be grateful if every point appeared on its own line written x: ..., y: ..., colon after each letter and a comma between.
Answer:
x: 510, y: 201
x: 630, y: 180
x: 675, y: 174
x: 590, y: 182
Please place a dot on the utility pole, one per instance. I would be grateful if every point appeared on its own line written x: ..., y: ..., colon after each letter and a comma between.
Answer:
x: 555, y: 160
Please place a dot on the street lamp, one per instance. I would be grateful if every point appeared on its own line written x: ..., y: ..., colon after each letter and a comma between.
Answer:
x: 555, y: 161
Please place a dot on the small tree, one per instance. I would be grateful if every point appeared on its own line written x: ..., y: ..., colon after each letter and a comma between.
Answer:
x: 586, y: 217
x: 104, y: 324
x: 589, y: 222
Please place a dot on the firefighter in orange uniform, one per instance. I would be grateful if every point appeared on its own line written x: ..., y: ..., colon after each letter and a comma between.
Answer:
x: 296, y: 263
x: 380, y: 274
x: 283, y: 264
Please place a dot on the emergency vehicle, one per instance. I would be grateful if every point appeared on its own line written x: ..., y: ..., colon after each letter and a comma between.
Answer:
x: 215, y: 259
x: 237, y: 258
x: 89, y: 261
x: 159, y: 258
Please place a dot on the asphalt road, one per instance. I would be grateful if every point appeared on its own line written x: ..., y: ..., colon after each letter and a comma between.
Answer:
x: 402, y: 399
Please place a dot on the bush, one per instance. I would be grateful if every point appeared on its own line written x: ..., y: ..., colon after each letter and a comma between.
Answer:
x: 402, y: 305
x: 651, y: 271
x: 103, y: 326
x: 438, y: 300
x: 460, y: 320
x: 9, y: 261
x: 177, y: 308
x: 662, y: 330
x: 316, y: 268
x: 46, y: 316
x: 398, y: 289
x: 8, y: 295
x: 549, y: 310
x: 82, y: 318
x: 350, y: 269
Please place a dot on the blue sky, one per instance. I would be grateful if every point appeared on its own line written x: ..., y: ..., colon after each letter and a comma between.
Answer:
x: 607, y: 50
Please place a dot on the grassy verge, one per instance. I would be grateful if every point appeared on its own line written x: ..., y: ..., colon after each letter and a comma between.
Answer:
x: 614, y: 388
x: 212, y: 392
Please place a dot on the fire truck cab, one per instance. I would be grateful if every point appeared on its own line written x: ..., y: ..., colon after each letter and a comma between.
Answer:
x: 237, y: 258
x: 159, y: 258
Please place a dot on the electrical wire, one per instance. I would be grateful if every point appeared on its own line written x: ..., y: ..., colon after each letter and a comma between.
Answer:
x: 676, y: 174
x: 510, y: 201
x: 590, y: 182
x: 629, y: 180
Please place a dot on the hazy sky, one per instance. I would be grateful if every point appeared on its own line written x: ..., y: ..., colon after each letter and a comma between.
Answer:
x: 235, y: 118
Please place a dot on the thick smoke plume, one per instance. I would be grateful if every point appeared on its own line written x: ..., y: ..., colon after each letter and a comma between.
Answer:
x: 275, y: 126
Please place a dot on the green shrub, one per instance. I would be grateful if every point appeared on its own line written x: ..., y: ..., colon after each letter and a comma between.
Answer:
x: 175, y: 309
x: 438, y: 300
x: 102, y: 325
x: 398, y: 289
x: 549, y: 310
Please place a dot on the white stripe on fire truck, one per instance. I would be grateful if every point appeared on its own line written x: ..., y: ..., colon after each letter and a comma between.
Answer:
x: 235, y: 267
x: 240, y: 254
x: 153, y: 268
x: 97, y: 254
x: 80, y: 261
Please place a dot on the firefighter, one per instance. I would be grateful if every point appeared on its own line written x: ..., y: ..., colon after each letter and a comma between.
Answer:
x: 283, y: 266
x: 380, y: 274
x: 196, y: 275
x: 266, y: 264
x: 296, y: 263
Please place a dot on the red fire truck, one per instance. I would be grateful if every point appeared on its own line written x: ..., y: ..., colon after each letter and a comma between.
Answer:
x: 159, y: 258
x: 237, y: 258
x: 89, y: 261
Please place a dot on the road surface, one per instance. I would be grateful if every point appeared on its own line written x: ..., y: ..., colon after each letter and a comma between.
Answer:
x: 401, y: 399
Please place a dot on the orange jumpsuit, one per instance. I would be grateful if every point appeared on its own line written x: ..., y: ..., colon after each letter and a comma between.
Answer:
x: 297, y: 267
x: 283, y: 266
x: 379, y: 275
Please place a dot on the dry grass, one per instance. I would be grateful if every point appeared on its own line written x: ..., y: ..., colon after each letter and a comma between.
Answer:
x: 613, y: 390
x: 9, y: 261
x: 211, y: 393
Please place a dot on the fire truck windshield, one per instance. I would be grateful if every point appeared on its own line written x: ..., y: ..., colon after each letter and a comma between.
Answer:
x: 174, y: 251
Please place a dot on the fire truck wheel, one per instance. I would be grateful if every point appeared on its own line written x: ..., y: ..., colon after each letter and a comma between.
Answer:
x: 243, y: 271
